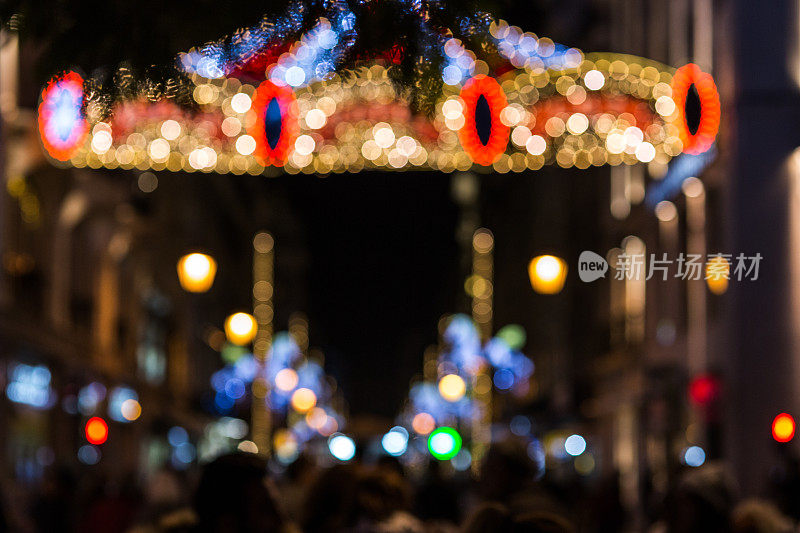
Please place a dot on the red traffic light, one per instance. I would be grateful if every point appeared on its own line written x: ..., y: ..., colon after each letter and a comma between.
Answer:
x: 96, y: 430
x: 783, y: 428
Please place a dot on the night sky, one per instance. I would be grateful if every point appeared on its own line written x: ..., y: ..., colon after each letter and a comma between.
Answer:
x: 383, y: 269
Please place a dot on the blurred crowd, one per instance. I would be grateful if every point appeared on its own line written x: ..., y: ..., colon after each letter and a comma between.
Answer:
x: 238, y: 493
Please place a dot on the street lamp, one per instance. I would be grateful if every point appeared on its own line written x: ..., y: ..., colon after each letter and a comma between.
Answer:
x: 240, y: 328
x: 196, y: 272
x: 548, y: 274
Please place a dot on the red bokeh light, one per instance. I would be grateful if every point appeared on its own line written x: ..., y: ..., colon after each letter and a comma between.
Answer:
x: 283, y: 94
x: 96, y: 430
x: 487, y: 87
x: 704, y: 390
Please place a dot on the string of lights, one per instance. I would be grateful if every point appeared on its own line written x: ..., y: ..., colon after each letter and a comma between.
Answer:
x: 297, y: 93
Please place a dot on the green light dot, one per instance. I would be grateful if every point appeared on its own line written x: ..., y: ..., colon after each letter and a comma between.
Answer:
x: 444, y: 443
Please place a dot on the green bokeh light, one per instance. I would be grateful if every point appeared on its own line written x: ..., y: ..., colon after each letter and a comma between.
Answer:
x: 444, y: 443
x: 513, y: 335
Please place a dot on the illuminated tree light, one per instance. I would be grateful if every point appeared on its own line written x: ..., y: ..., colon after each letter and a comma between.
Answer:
x: 276, y: 125
x: 62, y: 126
x: 592, y: 113
x: 703, y: 137
x: 479, y: 92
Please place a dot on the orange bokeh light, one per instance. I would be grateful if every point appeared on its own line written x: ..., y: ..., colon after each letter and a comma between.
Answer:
x: 423, y: 423
x: 483, y: 154
x: 783, y: 428
x: 96, y: 430
x: 303, y: 400
x: 701, y: 140
x: 283, y: 94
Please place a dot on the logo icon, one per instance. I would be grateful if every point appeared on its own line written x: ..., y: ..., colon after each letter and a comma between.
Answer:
x: 591, y: 266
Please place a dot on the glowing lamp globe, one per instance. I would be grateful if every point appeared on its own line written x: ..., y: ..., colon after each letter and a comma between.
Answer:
x: 547, y: 273
x: 240, y: 328
x: 196, y: 272
x: 783, y: 428
x: 96, y: 430
x: 452, y: 387
x: 444, y: 443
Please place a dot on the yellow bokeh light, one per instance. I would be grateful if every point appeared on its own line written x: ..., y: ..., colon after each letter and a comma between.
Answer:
x: 240, y: 328
x: 159, y: 150
x: 303, y: 400
x: 245, y: 145
x: 666, y: 211
x: 547, y: 274
x: 577, y: 123
x: 718, y: 272
x: 315, y: 119
x: 285, y: 444
x: 536, y: 145
x: 665, y: 106
x: 384, y: 135
x: 594, y: 80
x: 240, y: 102
x: 452, y: 387
x: 304, y: 144
x: 170, y: 130
x: 196, y: 272
x: 452, y: 109
x: 101, y: 142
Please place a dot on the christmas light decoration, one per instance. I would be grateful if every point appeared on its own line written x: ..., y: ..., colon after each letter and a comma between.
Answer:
x: 696, y: 133
x: 62, y: 127
x: 275, y: 125
x: 484, y: 135
x: 308, y: 91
